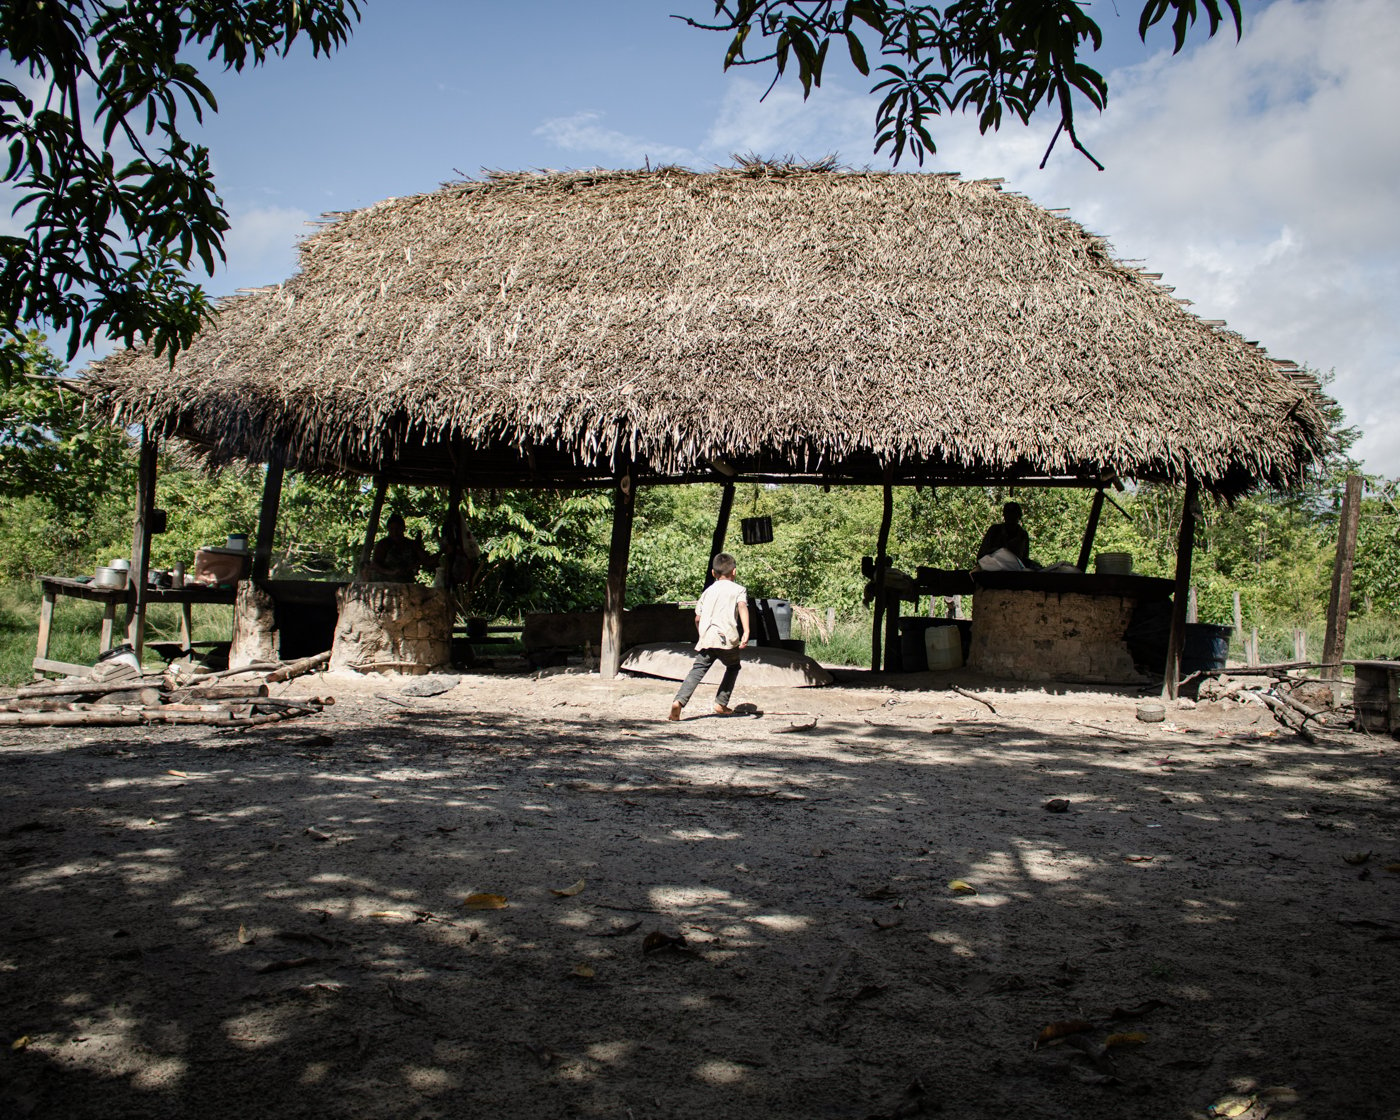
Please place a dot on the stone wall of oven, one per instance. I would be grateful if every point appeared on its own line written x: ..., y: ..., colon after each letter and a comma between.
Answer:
x: 1042, y: 635
x: 392, y: 627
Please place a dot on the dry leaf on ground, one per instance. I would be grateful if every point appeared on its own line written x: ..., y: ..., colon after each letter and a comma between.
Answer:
x: 484, y: 901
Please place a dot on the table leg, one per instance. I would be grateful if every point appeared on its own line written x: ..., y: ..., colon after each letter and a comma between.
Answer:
x: 186, y: 628
x: 109, y: 616
x: 41, y: 653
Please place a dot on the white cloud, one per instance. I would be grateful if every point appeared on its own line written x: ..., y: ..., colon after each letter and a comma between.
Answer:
x: 261, y: 246
x: 584, y: 132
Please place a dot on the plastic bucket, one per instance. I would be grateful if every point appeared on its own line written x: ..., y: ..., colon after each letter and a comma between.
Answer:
x: 943, y: 647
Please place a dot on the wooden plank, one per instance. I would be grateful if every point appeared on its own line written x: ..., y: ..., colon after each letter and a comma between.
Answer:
x: 186, y: 628
x: 1086, y: 550
x: 726, y: 504
x: 141, y: 542
x: 1339, y: 604
x: 1185, y: 543
x: 41, y: 649
x: 882, y: 546
x: 45, y: 665
x: 267, y: 511
x: 109, y: 618
x: 619, y: 551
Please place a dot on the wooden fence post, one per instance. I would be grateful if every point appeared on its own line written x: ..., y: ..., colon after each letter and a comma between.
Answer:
x: 1339, y: 605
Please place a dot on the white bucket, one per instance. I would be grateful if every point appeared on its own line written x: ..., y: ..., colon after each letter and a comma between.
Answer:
x: 944, y: 647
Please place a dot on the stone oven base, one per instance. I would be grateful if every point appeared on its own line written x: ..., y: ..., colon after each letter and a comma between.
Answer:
x: 1046, y: 635
x: 392, y: 627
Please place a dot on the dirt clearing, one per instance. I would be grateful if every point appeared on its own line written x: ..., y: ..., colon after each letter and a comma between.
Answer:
x: 536, y: 898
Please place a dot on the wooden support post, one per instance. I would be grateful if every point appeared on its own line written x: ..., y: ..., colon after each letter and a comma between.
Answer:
x: 1253, y: 657
x: 1087, y: 548
x: 1239, y: 617
x: 381, y: 487
x: 1185, y: 542
x: 267, y: 512
x: 726, y: 504
x: 882, y: 545
x: 619, y: 550
x: 1300, y: 644
x: 141, y: 542
x: 41, y: 650
x: 1192, y: 605
x: 1339, y: 605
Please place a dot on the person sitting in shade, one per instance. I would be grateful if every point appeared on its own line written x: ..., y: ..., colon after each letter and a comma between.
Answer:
x: 398, y: 558
x: 1008, y: 534
x: 722, y: 619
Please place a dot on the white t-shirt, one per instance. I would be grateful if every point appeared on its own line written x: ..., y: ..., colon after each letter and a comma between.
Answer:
x: 718, y: 612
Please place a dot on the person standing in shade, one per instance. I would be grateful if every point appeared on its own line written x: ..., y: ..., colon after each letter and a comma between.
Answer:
x: 722, y: 620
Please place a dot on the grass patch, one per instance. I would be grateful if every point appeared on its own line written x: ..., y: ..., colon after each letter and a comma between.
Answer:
x: 77, y: 629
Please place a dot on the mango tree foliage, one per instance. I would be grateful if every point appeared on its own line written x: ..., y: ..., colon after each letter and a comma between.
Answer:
x: 997, y: 58
x: 114, y: 203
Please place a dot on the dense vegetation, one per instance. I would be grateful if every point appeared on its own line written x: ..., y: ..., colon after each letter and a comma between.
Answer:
x: 66, y: 491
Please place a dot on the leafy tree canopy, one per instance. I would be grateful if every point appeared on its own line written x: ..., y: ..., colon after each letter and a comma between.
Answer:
x: 116, y: 203
x: 998, y: 57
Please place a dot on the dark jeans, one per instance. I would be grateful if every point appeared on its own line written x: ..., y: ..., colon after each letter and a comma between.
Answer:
x: 704, y: 658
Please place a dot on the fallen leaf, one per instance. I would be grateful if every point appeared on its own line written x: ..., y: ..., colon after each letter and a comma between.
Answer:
x: 396, y: 914
x: 958, y: 886
x: 1227, y: 1107
x: 20, y: 1043
x: 1138, y: 859
x: 583, y: 972
x: 482, y: 901
x: 1125, y: 1038
x: 569, y: 892
x: 177, y: 773
x: 1393, y: 868
x: 1062, y: 1029
x: 1357, y: 858
x: 244, y: 937
x: 317, y: 835
x: 796, y: 727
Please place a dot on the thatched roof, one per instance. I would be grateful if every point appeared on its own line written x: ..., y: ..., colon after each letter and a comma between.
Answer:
x: 780, y: 320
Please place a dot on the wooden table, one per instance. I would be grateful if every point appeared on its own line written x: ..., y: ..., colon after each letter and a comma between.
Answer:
x: 55, y: 586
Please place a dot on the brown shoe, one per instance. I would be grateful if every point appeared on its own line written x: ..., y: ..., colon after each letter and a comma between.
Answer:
x: 721, y: 710
x: 676, y: 706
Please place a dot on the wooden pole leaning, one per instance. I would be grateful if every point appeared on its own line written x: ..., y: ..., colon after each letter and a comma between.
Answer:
x: 267, y: 512
x: 1339, y: 604
x: 1185, y: 542
x: 619, y: 551
x: 381, y: 487
x: 1090, y: 530
x: 726, y: 505
x: 141, y: 542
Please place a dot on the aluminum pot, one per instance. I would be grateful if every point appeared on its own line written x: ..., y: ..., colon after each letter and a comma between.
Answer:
x: 113, y: 578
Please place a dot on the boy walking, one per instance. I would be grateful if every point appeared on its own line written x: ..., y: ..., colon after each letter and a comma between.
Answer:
x: 722, y: 619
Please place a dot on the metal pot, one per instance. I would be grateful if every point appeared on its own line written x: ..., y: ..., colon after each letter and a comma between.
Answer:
x: 113, y: 578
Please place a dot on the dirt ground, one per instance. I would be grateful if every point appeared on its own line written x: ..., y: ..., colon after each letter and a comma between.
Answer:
x: 751, y: 916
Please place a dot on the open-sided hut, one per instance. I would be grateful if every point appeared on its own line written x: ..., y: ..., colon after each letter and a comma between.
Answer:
x: 775, y: 322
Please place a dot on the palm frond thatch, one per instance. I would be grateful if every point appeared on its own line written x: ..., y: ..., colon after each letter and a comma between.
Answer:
x: 793, y: 320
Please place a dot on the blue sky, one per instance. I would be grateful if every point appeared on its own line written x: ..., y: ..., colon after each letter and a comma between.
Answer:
x: 1260, y: 178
